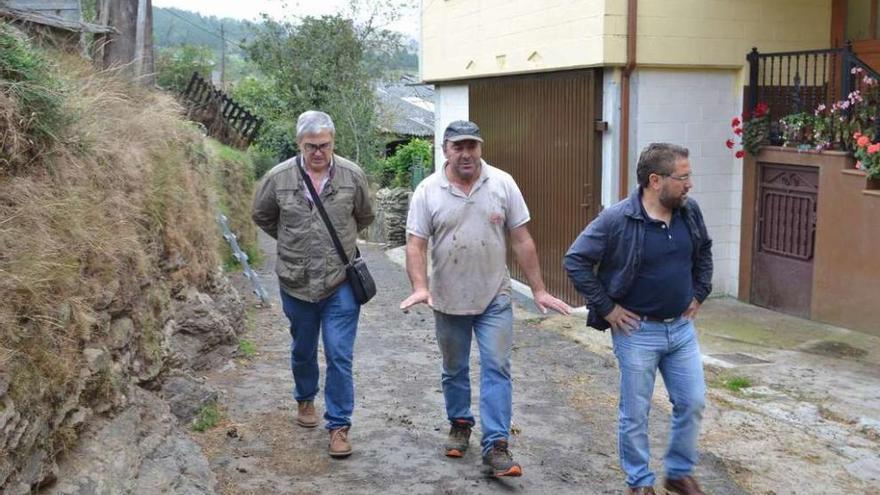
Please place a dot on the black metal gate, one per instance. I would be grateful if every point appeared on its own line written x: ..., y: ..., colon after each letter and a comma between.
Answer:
x: 785, y: 238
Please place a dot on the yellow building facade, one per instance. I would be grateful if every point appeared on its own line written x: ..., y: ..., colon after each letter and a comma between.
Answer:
x: 686, y: 87
x: 464, y: 39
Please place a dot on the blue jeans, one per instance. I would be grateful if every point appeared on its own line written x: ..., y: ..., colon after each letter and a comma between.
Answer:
x: 494, y: 331
x: 673, y: 348
x: 337, y: 316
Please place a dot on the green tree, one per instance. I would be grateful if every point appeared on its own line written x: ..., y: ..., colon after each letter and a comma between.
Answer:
x: 319, y: 63
x: 175, y: 66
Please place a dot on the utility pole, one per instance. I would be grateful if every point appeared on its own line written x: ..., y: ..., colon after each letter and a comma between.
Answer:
x: 222, y: 56
x: 131, y: 49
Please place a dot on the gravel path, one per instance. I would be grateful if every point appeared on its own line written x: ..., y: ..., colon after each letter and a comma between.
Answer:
x: 564, y: 412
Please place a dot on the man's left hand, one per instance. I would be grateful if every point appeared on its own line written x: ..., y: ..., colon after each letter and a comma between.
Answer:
x: 544, y: 301
x: 691, y: 312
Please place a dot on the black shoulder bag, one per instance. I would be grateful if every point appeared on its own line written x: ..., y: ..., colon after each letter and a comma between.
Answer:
x: 362, y: 284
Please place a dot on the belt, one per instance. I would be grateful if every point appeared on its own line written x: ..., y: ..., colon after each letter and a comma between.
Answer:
x: 660, y: 320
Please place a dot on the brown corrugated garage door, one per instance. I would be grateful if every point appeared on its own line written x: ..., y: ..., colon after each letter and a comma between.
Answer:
x: 542, y: 130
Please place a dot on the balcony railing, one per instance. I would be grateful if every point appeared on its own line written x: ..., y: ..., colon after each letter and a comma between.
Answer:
x: 792, y: 82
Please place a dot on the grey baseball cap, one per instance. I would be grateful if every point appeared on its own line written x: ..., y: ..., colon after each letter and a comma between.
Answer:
x: 462, y: 130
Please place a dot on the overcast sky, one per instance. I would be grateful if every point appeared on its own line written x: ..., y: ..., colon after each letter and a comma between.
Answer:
x: 279, y: 9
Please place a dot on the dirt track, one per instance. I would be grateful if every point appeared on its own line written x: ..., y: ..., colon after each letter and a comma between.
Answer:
x: 564, y: 412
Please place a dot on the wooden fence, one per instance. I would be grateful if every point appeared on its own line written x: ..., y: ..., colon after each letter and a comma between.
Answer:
x: 225, y: 120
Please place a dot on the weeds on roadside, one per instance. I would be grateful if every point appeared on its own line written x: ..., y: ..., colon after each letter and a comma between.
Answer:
x: 247, y: 348
x: 736, y: 383
x: 207, y: 418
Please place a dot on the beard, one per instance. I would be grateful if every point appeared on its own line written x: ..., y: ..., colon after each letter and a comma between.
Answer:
x: 670, y: 201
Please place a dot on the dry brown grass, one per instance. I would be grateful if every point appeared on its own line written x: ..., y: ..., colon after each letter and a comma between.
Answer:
x: 111, y: 219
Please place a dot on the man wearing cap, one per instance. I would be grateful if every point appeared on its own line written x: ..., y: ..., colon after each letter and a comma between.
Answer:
x: 467, y: 208
x: 645, y: 266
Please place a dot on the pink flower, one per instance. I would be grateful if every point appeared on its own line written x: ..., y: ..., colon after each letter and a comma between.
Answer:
x: 873, y: 148
x: 857, y: 135
x: 858, y: 165
x: 740, y: 154
x: 729, y: 143
x: 735, y: 122
x: 863, y: 141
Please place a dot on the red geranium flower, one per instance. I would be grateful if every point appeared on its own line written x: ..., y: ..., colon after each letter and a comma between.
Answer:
x: 740, y: 154
x: 735, y: 122
x: 738, y: 131
x: 761, y: 109
x: 729, y: 143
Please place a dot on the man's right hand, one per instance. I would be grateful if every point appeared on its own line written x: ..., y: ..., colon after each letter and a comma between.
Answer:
x: 417, y: 297
x: 622, y: 320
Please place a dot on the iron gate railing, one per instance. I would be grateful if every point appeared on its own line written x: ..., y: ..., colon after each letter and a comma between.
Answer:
x: 798, y: 81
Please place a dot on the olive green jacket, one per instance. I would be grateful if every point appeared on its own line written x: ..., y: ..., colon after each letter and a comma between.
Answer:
x: 308, y: 265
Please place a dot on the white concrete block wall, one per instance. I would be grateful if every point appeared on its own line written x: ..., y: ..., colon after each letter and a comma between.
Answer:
x: 694, y: 108
x: 450, y: 103
x: 611, y: 138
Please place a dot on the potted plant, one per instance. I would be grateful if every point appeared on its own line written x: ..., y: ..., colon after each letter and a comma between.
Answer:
x: 752, y: 131
x: 797, y: 130
x: 867, y: 154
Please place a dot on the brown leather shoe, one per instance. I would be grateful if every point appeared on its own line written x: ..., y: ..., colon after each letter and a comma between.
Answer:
x: 339, y: 446
x: 306, y: 415
x: 683, y: 486
x: 640, y: 490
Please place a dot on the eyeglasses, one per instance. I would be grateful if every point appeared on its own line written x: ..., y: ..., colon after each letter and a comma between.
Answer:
x: 682, y: 178
x: 311, y: 148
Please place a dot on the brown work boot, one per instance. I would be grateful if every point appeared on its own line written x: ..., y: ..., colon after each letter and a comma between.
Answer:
x: 683, y: 486
x: 459, y: 436
x: 640, y: 490
x: 305, y: 414
x: 339, y: 446
x: 500, y: 461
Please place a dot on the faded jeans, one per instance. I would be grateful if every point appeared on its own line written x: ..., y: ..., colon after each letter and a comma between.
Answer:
x: 336, y: 319
x: 673, y: 348
x: 494, y: 331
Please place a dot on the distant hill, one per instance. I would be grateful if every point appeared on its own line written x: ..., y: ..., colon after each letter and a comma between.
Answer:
x: 175, y: 27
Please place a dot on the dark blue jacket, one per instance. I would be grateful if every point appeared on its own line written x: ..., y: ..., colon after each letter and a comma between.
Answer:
x: 614, y: 242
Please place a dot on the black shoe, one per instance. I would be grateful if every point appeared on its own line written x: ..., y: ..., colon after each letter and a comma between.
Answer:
x: 459, y: 435
x: 500, y: 460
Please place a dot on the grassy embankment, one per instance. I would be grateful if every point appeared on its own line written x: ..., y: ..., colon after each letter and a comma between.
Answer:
x: 107, y: 209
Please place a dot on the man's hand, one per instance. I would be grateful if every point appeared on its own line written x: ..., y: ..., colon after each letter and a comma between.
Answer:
x: 691, y: 312
x: 622, y: 320
x: 544, y: 301
x: 417, y: 297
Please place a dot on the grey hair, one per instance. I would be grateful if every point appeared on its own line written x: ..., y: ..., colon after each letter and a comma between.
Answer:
x: 314, y: 122
x: 659, y: 158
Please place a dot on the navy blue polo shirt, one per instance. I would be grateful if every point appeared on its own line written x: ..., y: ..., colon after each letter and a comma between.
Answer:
x: 664, y: 286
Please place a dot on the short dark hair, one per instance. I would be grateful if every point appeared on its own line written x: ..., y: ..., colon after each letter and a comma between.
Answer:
x: 659, y: 158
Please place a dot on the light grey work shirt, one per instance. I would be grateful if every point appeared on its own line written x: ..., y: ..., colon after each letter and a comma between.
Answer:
x: 469, y: 233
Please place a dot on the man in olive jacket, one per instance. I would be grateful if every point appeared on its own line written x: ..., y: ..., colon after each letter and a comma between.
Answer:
x: 314, y: 292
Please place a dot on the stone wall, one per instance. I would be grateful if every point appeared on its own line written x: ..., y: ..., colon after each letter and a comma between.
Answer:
x: 121, y: 426
x: 391, y: 207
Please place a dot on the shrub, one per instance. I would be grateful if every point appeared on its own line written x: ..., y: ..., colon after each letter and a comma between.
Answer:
x: 395, y: 171
x: 31, y: 96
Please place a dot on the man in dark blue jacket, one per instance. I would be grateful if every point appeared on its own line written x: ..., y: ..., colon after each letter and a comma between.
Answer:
x: 645, y: 267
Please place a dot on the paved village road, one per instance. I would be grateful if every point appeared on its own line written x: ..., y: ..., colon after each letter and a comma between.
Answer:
x: 564, y: 412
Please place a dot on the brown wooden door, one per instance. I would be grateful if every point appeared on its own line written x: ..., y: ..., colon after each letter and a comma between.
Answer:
x: 785, y: 237
x: 857, y: 21
x: 542, y: 130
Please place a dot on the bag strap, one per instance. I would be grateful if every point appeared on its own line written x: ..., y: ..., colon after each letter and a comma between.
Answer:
x: 317, y: 200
